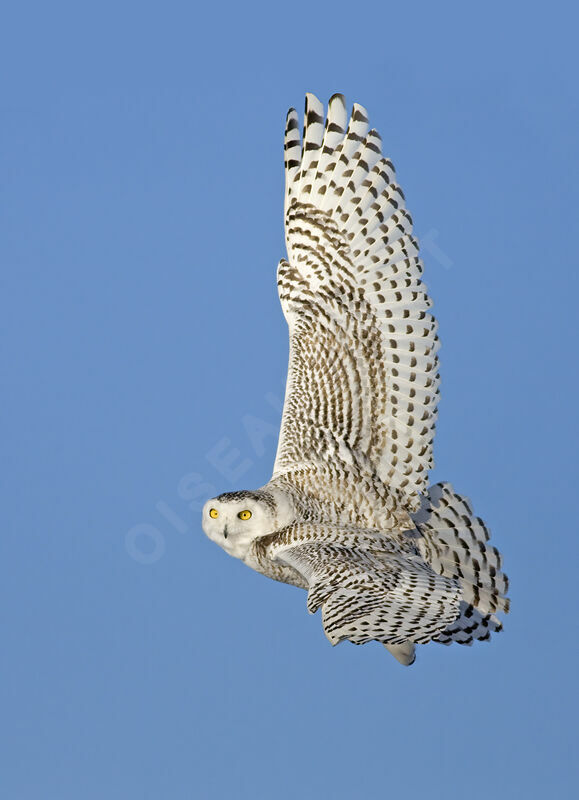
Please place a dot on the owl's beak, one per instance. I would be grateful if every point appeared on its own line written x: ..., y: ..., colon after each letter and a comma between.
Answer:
x: 225, y: 532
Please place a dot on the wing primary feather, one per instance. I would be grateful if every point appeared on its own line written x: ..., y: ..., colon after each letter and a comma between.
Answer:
x: 352, y: 286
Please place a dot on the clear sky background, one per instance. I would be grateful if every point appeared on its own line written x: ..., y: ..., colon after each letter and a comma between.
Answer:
x: 141, y: 228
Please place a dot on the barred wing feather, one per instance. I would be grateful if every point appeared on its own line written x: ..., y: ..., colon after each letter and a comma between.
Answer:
x: 363, y: 372
x: 367, y: 587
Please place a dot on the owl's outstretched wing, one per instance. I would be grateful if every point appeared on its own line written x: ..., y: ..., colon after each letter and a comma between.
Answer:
x: 367, y: 587
x: 363, y: 373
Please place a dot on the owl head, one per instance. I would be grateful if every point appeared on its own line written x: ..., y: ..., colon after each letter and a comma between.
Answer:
x: 234, y: 519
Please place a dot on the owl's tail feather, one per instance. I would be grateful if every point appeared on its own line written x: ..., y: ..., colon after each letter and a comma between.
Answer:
x: 455, y: 544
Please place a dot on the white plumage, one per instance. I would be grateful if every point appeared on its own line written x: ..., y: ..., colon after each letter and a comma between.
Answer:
x: 348, y: 514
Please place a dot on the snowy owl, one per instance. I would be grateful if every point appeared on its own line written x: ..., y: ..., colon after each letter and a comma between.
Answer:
x: 348, y: 514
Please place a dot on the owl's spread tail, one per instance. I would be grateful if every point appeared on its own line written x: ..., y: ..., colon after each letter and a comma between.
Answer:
x: 455, y: 544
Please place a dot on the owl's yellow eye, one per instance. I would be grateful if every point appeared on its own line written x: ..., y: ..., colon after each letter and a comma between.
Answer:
x: 244, y: 514
x: 213, y: 513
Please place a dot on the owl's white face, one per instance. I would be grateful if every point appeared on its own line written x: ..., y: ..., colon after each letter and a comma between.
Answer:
x: 235, y: 519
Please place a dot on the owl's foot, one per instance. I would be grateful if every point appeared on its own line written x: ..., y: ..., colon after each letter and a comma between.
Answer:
x: 404, y: 653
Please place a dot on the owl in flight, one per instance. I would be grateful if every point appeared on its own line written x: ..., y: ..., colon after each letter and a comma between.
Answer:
x: 348, y: 514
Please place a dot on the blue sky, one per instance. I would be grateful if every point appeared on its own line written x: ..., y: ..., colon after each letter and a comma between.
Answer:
x: 141, y: 228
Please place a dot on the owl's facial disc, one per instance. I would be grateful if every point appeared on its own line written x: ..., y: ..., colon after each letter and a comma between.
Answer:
x: 235, y: 519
